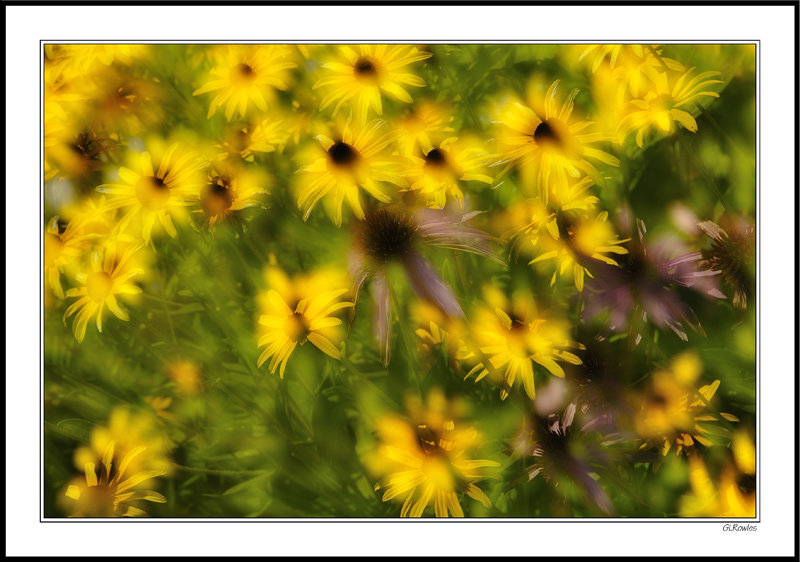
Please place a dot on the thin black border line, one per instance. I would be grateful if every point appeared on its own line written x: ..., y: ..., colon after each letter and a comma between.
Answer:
x: 756, y: 520
x: 391, y: 3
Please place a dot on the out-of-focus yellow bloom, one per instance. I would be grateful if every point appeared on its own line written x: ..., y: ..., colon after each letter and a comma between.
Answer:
x: 555, y: 147
x: 725, y: 499
x: 433, y: 462
x: 83, y: 58
x: 660, y: 108
x: 156, y: 193
x: 128, y: 430
x: 244, y: 74
x: 187, y: 376
x: 438, y: 173
x: 672, y: 415
x: 229, y: 189
x: 570, y: 236
x: 109, y: 276
x: 635, y: 67
x: 354, y: 159
x: 310, y: 320
x: 110, y: 494
x: 517, y: 342
x: 367, y: 70
x: 264, y: 135
x: 744, y: 452
x: 437, y: 331
x: 61, y: 249
x: 420, y: 123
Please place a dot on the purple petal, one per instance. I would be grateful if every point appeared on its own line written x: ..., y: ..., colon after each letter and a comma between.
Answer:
x: 427, y: 285
x: 383, y: 313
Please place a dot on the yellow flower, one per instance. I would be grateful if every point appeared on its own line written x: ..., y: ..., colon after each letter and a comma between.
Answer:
x: 244, y: 75
x: 109, y: 494
x: 660, y: 108
x: 82, y: 58
x: 726, y: 499
x: 556, y: 148
x: 437, y: 175
x: 186, y: 376
x: 59, y: 250
x: 265, y: 135
x: 109, y: 276
x: 420, y: 122
x: 351, y: 161
x: 672, y: 415
x: 227, y: 190
x: 434, y: 464
x: 155, y: 194
x: 286, y: 328
x: 517, y: 342
x: 368, y: 70
x: 634, y: 66
x: 570, y: 237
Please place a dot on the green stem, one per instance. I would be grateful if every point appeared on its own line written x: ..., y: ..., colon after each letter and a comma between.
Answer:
x: 699, y: 165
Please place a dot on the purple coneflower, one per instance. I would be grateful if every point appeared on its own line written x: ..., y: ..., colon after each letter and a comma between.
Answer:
x: 733, y: 254
x: 388, y: 237
x: 641, y: 288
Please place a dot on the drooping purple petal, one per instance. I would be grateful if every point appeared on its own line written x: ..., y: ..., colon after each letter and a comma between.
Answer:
x: 383, y: 317
x: 428, y: 285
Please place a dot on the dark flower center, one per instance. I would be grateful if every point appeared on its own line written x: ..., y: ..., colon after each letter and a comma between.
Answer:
x: 342, y: 154
x: 435, y: 158
x: 386, y: 236
x: 365, y: 67
x: 152, y: 192
x: 217, y: 197
x: 547, y: 133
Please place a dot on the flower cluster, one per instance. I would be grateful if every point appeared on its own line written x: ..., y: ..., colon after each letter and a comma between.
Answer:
x: 500, y: 276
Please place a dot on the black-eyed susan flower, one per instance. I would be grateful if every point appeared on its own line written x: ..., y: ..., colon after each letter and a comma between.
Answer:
x: 571, y: 236
x: 392, y: 237
x: 641, y: 288
x: 661, y: 108
x: 673, y: 415
x: 155, y: 193
x: 516, y: 344
x: 61, y: 249
x: 263, y: 135
x: 109, y: 493
x: 434, y: 465
x: 733, y: 254
x: 286, y: 328
x: 368, y: 70
x: 109, y: 277
x: 424, y: 120
x: 244, y: 74
x: 553, y: 143
x: 354, y: 159
x: 228, y: 189
x: 438, y: 173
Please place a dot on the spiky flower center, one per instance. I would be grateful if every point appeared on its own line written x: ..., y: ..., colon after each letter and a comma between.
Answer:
x: 387, y: 236
x: 152, y: 192
x: 98, y: 286
x: 297, y: 328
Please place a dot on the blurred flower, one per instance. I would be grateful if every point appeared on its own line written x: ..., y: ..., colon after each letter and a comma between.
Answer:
x: 109, y: 276
x: 265, y: 135
x: 109, y: 495
x: 155, y: 194
x: 673, y: 415
x: 733, y: 255
x: 229, y: 189
x: 388, y: 237
x: 518, y: 342
x: 438, y: 173
x: 634, y: 66
x: 434, y: 463
x: 659, y: 108
x: 725, y: 499
x: 353, y: 160
x: 421, y: 122
x: 596, y: 385
x: 243, y: 74
x: 563, y: 456
x: 366, y: 73
x: 744, y: 452
x: 287, y: 328
x: 61, y: 249
x: 640, y: 289
x: 556, y: 148
x: 81, y: 58
x: 186, y: 375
